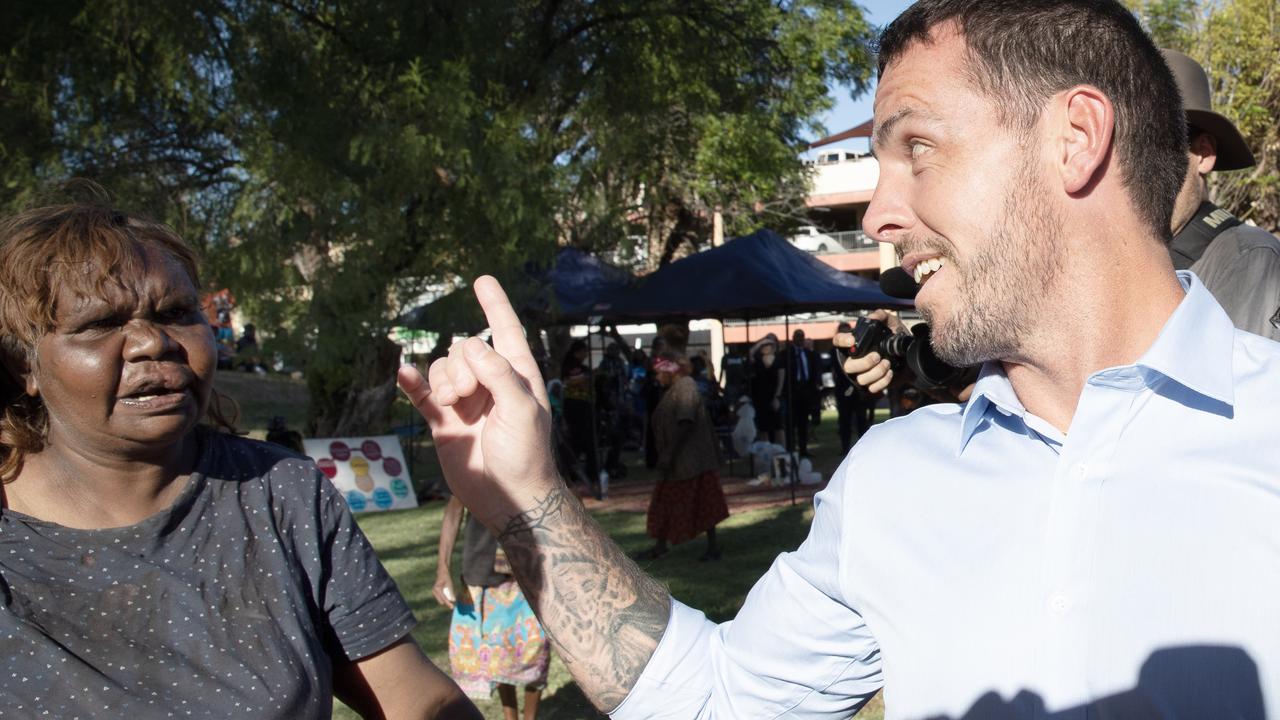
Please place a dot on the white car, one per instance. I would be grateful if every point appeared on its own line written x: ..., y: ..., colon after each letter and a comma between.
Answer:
x: 811, y: 240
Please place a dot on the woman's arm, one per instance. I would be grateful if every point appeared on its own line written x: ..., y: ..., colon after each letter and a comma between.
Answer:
x: 400, y: 683
x: 443, y: 589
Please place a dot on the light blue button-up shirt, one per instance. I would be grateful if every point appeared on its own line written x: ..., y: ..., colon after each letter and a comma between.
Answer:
x: 975, y: 562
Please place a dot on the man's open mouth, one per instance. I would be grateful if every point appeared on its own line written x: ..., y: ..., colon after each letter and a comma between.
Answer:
x: 926, y: 268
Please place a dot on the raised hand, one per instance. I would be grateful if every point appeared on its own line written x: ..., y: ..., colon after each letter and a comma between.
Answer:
x: 489, y: 415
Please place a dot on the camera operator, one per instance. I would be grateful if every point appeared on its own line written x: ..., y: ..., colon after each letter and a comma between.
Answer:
x: 1238, y: 263
x: 874, y: 372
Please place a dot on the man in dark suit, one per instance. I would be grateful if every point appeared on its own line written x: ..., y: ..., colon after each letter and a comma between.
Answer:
x: 803, y: 376
x: 853, y: 404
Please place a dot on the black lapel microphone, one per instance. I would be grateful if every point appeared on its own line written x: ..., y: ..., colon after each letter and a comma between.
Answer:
x: 895, y: 282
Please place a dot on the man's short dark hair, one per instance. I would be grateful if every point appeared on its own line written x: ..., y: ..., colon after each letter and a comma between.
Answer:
x: 1023, y: 51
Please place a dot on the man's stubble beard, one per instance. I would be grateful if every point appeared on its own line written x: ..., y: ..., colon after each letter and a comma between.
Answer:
x: 1004, y: 286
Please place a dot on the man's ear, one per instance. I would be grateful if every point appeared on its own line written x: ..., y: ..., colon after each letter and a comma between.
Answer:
x: 1085, y: 128
x: 1204, y: 149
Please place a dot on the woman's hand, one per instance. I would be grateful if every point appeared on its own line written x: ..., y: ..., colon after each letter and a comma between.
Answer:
x: 443, y: 591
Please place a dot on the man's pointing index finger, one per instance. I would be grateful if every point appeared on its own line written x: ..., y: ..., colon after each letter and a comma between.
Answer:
x: 508, y: 333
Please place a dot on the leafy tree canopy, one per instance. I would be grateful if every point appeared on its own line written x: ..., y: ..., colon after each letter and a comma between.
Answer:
x: 336, y: 160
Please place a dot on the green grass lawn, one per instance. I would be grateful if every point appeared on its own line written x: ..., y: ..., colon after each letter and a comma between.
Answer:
x: 406, y: 542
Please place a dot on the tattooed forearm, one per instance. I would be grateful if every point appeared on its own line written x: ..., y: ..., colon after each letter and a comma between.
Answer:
x: 604, y: 616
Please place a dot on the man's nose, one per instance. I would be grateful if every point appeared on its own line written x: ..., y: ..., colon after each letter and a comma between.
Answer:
x: 889, y: 213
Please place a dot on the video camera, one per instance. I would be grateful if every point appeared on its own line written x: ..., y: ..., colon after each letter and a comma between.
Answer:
x: 914, y: 350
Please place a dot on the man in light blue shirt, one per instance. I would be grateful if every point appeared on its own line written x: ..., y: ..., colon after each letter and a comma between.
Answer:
x: 1093, y: 534
x: 981, y: 559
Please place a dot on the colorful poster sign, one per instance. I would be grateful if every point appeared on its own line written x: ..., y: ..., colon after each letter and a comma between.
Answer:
x: 369, y: 472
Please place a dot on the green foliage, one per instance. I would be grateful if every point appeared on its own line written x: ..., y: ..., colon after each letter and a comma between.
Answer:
x: 336, y: 160
x: 1239, y: 48
x: 132, y: 94
x: 1237, y: 42
x: 1171, y: 23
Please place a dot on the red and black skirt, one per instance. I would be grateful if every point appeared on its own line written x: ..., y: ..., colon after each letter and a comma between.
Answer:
x: 681, y: 510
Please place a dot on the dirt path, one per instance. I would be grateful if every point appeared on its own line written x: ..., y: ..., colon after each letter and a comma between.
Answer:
x: 741, y: 493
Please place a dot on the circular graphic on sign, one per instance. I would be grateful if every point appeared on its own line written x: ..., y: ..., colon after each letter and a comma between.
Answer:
x: 355, y: 499
x: 328, y: 467
x: 360, y: 467
x: 399, y: 487
x: 371, y: 450
x: 382, y: 498
x: 339, y: 451
x: 391, y: 466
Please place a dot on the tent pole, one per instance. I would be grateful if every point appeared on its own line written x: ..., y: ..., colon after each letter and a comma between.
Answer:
x: 791, y: 426
x: 751, y: 375
x: 595, y: 419
x: 413, y: 446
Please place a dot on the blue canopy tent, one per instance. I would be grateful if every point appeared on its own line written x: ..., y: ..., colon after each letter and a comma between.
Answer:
x: 758, y: 275
x: 580, y: 282
x: 565, y: 293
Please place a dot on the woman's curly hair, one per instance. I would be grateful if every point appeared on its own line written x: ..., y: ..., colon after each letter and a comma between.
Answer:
x: 81, y: 247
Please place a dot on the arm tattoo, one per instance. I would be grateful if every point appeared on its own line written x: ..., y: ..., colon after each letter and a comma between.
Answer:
x: 604, y: 616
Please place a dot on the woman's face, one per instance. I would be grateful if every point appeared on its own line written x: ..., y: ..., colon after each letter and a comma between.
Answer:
x: 130, y: 372
x: 665, y: 378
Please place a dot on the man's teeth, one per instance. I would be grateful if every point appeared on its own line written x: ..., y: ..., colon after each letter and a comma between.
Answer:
x: 927, y: 267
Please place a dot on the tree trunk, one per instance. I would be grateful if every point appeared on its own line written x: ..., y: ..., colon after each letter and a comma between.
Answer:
x: 358, y: 401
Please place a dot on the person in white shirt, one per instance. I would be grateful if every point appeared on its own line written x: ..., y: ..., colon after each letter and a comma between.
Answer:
x: 1092, y: 534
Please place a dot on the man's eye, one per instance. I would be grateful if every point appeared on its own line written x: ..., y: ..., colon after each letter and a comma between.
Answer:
x: 917, y: 149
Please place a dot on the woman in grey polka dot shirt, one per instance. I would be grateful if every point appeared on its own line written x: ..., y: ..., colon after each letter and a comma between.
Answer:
x: 149, y: 566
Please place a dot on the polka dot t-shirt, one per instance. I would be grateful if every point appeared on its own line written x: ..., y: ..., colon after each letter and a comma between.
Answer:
x: 234, y: 602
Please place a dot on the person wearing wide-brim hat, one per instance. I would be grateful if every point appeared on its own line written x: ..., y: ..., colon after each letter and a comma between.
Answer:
x: 767, y: 379
x: 1238, y: 263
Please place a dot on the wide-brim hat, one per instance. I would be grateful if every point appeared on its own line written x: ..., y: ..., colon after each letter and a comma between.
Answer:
x: 1193, y: 84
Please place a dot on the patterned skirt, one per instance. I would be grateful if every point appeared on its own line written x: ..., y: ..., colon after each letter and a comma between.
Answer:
x: 497, y: 640
x: 681, y: 510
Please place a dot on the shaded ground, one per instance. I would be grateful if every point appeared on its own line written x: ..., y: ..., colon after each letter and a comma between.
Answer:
x: 741, y: 493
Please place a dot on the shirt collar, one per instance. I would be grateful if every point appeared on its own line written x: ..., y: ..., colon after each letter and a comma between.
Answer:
x: 1196, y: 345
x: 1194, y: 349
x: 993, y: 392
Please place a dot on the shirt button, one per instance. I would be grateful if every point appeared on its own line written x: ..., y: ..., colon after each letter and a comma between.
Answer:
x: 1059, y: 604
x: 1081, y: 471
